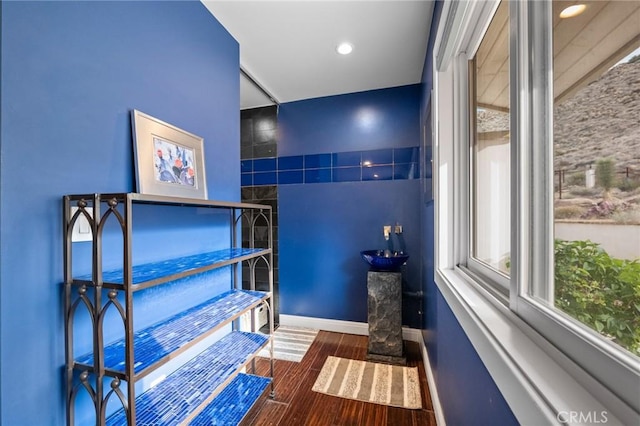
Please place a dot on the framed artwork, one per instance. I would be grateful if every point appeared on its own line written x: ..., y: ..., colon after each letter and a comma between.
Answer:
x: 168, y: 160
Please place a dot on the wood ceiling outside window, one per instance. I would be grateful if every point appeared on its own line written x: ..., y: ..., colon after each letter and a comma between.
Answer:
x: 585, y: 47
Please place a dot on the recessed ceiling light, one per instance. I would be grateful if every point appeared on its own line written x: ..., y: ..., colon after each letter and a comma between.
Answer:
x: 572, y: 11
x: 344, y: 48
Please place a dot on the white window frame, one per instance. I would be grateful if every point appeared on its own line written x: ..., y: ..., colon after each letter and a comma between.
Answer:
x: 492, y: 279
x: 545, y: 365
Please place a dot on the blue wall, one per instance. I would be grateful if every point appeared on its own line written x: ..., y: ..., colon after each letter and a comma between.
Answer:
x: 324, y: 226
x: 468, y: 395
x: 386, y: 118
x: 71, y: 72
x: 430, y: 325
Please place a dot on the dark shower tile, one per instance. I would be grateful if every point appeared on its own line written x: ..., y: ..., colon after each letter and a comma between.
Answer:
x: 246, y: 131
x: 262, y: 123
x: 265, y: 150
x: 246, y: 152
x: 273, y: 203
x: 264, y: 136
x: 265, y: 193
x: 246, y: 194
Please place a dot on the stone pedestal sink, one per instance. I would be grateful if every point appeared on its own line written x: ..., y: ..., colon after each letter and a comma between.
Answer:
x: 385, y: 317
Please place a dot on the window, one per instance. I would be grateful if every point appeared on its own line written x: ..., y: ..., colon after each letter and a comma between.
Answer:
x: 596, y: 65
x: 539, y: 142
x: 490, y: 150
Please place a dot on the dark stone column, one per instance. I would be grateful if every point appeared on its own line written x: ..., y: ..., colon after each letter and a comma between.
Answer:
x: 385, y: 317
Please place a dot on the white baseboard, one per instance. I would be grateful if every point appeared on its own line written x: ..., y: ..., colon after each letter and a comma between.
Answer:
x: 340, y: 326
x: 412, y: 334
x: 433, y: 390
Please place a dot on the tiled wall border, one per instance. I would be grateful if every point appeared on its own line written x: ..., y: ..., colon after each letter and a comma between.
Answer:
x: 353, y: 166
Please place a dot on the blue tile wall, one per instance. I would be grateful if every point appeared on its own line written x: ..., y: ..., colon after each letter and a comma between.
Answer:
x: 405, y: 155
x: 406, y: 171
x: 378, y: 173
x: 353, y: 166
x: 290, y: 163
x: 317, y: 175
x: 246, y: 166
x: 347, y: 174
x: 265, y: 178
x: 264, y: 165
x: 317, y: 161
x: 378, y: 156
x: 246, y: 179
x: 291, y: 176
x: 346, y: 159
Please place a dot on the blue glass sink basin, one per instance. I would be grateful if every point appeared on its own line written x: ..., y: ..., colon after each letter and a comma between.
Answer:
x: 384, y: 260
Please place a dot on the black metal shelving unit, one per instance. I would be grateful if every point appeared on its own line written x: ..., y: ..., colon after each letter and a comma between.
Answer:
x: 135, y: 356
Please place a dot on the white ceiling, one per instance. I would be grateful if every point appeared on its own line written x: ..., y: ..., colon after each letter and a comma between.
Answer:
x: 288, y: 47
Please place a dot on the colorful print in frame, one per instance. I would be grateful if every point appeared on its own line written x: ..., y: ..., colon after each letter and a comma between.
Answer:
x: 169, y: 161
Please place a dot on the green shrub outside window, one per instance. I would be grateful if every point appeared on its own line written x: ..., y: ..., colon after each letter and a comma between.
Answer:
x: 600, y: 291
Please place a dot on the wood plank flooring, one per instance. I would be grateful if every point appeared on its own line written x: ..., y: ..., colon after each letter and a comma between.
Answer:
x: 296, y: 404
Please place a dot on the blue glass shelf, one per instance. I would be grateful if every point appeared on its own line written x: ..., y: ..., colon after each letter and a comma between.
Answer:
x: 171, y: 269
x: 182, y: 393
x: 156, y: 342
x: 234, y: 402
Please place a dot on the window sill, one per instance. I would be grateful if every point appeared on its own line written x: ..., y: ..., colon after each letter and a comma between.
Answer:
x: 538, y: 389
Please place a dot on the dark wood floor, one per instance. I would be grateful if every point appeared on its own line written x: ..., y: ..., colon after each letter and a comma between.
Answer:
x: 296, y: 404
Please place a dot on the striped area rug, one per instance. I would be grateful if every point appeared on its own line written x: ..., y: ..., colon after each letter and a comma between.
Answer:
x: 290, y: 343
x: 370, y: 382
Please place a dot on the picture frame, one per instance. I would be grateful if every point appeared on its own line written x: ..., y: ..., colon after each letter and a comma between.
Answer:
x: 168, y: 160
